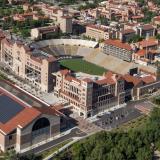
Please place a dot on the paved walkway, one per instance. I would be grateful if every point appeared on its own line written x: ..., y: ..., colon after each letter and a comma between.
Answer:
x: 75, y: 139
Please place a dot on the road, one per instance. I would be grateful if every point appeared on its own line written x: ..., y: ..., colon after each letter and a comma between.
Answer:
x: 74, y: 133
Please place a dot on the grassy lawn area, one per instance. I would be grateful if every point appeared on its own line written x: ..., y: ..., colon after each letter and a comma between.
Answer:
x: 137, y: 123
x: 54, y: 149
x: 79, y: 65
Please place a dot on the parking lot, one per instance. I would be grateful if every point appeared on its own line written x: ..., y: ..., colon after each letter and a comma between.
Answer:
x: 117, y: 117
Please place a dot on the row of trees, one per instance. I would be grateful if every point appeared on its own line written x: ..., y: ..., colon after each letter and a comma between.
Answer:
x: 12, y: 155
x: 135, y: 38
x: 87, y: 6
x: 157, y: 2
x: 132, y: 145
x: 23, y: 28
x: 3, y: 3
x: 148, y: 15
x: 143, y: 2
x: 10, y: 11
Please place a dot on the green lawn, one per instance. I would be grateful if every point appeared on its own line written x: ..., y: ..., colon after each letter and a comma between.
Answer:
x: 79, y: 65
x: 137, y: 123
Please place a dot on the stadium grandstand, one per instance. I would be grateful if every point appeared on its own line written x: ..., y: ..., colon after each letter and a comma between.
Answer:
x: 66, y: 47
x: 89, y: 51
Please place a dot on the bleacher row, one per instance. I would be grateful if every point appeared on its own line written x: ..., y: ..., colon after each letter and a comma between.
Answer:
x: 63, y: 50
x: 71, y: 42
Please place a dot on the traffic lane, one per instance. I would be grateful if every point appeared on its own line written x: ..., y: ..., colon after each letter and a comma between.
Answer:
x: 74, y: 133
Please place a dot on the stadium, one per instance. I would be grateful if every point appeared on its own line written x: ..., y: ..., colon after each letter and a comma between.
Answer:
x: 64, y: 49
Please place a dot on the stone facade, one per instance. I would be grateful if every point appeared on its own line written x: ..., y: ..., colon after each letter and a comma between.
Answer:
x: 25, y: 137
x: 32, y: 65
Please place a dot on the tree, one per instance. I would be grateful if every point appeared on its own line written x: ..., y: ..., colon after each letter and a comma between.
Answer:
x: 103, y: 20
x: 30, y: 157
x: 158, y: 36
x: 9, y: 155
x: 148, y: 15
x: 135, y: 38
x: 144, y: 154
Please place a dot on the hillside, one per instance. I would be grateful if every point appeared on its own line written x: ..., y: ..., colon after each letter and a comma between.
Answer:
x: 131, y: 145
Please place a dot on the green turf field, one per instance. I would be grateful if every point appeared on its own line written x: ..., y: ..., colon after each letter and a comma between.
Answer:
x: 79, y: 65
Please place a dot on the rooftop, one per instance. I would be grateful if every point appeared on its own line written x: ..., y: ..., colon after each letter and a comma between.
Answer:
x: 107, y: 78
x: 47, y: 29
x: 99, y: 27
x: 140, y: 77
x: 14, y: 112
x: 118, y: 44
x: 147, y: 27
x: 128, y: 31
x: 8, y: 108
x: 85, y: 76
x: 141, y: 52
x: 148, y: 43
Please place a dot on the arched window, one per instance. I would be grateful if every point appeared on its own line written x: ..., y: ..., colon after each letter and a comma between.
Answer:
x: 40, y: 124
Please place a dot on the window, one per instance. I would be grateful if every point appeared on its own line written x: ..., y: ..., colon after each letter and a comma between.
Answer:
x: 41, y: 123
x: 10, y: 137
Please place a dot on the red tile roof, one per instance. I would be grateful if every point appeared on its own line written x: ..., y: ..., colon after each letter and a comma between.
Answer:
x: 51, y: 58
x: 88, y: 80
x: 132, y: 79
x: 141, y: 52
x: 148, y: 43
x: 138, y: 17
x: 128, y: 31
x: 106, y: 81
x: 47, y: 29
x: 25, y: 116
x: 118, y: 44
x: 98, y: 27
x: 147, y: 27
x: 22, y: 119
x: 148, y: 79
x: 108, y: 74
x: 71, y: 78
x: 111, y: 78
x: 64, y: 72
x: 146, y: 71
x: 157, y: 18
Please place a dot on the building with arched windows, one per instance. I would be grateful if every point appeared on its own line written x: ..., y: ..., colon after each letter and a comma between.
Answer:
x: 22, y: 126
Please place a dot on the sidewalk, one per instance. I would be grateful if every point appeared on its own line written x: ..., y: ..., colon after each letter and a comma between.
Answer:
x: 75, y: 139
